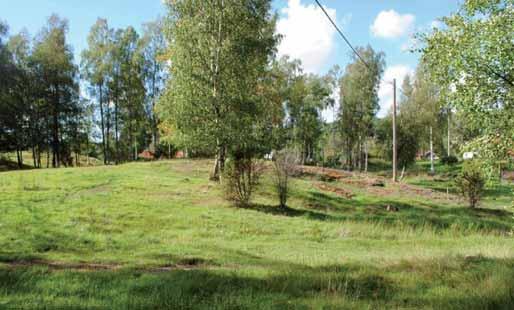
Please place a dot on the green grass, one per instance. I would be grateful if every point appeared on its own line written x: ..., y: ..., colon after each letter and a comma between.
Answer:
x: 158, y: 235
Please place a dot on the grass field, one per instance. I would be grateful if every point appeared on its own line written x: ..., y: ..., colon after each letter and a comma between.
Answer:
x: 157, y: 235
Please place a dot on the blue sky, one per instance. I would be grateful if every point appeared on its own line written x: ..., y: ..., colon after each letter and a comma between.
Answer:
x: 386, y: 25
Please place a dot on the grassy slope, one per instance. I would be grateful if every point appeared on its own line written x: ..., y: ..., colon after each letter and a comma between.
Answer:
x: 157, y: 235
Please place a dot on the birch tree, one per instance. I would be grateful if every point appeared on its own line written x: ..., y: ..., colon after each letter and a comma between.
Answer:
x: 472, y: 59
x: 219, y: 53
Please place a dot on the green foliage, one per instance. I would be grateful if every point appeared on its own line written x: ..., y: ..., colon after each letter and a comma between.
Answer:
x: 125, y: 72
x: 359, y: 102
x: 43, y: 111
x: 153, y: 44
x: 305, y: 96
x: 472, y: 60
x: 406, y: 138
x: 421, y: 109
x: 333, y: 161
x: 449, y: 160
x: 471, y: 182
x: 95, y: 69
x: 219, y: 54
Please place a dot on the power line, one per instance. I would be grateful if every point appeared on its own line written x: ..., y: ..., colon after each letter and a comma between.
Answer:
x: 342, y: 35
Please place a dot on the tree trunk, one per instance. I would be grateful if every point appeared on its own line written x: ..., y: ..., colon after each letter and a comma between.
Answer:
x: 365, y: 155
x: 395, y: 146
x: 219, y: 164
x: 220, y: 156
x: 38, y: 156
x: 102, y: 125
x: 34, y: 156
x: 349, y: 160
x: 359, y: 163
x: 19, y: 158
x: 116, y: 138
x: 154, y: 117
x: 215, y: 172
x: 55, y: 142
x: 107, y: 131
x: 135, y: 147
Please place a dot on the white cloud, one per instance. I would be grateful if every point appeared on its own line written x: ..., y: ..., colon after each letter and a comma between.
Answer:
x: 308, y: 35
x: 390, y: 24
x: 385, y: 93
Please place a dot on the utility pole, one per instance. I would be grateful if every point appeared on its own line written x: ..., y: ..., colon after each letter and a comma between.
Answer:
x: 449, y: 145
x: 395, y: 172
x: 432, y: 170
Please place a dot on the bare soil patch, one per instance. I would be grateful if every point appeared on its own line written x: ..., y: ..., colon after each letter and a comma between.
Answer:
x: 508, y: 175
x: 331, y: 174
x: 373, y: 185
x: 336, y: 190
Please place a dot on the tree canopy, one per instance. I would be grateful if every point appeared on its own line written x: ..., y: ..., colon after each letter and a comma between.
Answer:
x: 471, y: 58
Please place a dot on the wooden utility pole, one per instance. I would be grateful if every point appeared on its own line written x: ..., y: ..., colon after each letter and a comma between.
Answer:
x: 395, y: 165
x: 449, y: 145
x: 432, y: 170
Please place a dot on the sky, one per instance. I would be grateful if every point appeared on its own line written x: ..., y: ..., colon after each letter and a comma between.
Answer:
x: 386, y: 25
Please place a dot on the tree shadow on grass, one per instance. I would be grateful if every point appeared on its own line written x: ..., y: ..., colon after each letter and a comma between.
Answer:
x: 289, y: 212
x: 494, y: 191
x: 426, y: 214
x: 486, y: 283
x: 9, y: 165
x: 499, y: 190
x: 437, y: 185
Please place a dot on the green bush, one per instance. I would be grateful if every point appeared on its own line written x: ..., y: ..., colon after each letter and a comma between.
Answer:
x: 471, y: 182
x: 333, y: 161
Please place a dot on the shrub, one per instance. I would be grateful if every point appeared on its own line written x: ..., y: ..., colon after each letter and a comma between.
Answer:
x: 285, y: 162
x: 333, y: 161
x: 449, y: 160
x: 240, y: 177
x: 471, y: 182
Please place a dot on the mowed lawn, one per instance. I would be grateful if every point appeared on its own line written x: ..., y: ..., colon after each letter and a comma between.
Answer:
x: 158, y: 235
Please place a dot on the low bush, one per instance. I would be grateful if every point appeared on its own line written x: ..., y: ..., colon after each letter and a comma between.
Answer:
x: 285, y: 163
x: 471, y: 182
x: 240, y: 177
x: 333, y: 161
